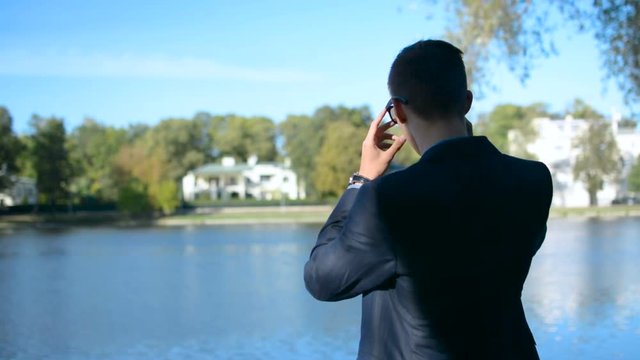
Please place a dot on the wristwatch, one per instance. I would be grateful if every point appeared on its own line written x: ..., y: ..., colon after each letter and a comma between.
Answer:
x: 358, y: 179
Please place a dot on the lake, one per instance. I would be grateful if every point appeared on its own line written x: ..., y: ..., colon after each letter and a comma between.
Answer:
x: 237, y: 292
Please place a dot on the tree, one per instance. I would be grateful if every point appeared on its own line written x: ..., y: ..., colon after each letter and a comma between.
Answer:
x: 356, y: 116
x: 133, y: 198
x: 136, y: 131
x: 626, y: 123
x: 633, y: 181
x: 183, y: 143
x: 50, y: 158
x: 143, y: 174
x: 581, y: 110
x: 518, y: 32
x: 92, y: 147
x: 338, y: 158
x: 10, y: 148
x: 517, y: 120
x: 406, y: 156
x: 242, y: 137
x: 166, y: 196
x: 304, y: 138
x: 598, y: 158
x: 25, y: 161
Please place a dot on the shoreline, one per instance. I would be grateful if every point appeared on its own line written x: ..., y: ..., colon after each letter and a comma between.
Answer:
x: 595, y: 212
x: 300, y: 214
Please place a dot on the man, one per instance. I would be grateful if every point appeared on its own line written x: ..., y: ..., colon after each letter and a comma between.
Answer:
x: 440, y: 250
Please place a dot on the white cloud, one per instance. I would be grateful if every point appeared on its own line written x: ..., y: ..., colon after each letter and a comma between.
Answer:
x: 127, y: 65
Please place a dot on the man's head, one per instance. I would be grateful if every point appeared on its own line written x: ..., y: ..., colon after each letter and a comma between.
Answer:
x: 430, y: 75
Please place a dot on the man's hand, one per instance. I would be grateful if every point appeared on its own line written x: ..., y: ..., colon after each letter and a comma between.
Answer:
x: 379, y: 148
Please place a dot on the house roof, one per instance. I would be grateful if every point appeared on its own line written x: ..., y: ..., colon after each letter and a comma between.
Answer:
x: 219, y: 169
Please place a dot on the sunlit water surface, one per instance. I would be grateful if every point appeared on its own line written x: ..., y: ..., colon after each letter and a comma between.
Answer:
x: 236, y: 292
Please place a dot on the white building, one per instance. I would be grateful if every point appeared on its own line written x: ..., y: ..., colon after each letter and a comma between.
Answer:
x: 262, y: 181
x: 555, y: 147
x: 23, y: 192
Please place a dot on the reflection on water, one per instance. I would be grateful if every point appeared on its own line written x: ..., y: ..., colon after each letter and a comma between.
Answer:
x: 583, y: 293
x: 236, y: 292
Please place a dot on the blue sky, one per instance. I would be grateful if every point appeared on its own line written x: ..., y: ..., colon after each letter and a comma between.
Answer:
x: 124, y: 62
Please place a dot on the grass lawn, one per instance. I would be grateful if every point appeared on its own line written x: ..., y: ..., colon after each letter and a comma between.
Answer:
x: 275, y: 215
x: 256, y: 215
x: 605, y: 211
x: 319, y: 215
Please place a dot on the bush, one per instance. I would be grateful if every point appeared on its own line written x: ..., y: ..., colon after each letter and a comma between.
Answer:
x: 133, y: 198
x: 166, y: 196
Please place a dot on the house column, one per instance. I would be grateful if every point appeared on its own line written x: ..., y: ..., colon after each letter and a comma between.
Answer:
x: 213, y: 188
x: 222, y: 189
x: 242, y: 186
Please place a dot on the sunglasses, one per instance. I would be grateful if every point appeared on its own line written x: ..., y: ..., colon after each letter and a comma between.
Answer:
x: 389, y: 107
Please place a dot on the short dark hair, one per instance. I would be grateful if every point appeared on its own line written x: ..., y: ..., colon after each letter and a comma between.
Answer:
x: 430, y: 74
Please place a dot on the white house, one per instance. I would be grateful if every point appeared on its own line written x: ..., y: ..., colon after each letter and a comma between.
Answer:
x: 555, y: 147
x: 23, y: 192
x: 253, y: 179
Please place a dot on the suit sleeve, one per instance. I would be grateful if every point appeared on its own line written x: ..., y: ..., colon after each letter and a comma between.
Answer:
x: 353, y: 254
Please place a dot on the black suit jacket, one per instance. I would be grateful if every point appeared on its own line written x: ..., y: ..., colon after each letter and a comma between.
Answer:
x: 440, y: 252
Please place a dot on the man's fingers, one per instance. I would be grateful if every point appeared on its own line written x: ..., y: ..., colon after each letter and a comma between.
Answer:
x: 386, y: 126
x: 396, y: 146
x: 373, y: 128
x: 386, y: 136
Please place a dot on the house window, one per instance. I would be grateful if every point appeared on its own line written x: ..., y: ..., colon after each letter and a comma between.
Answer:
x: 233, y: 180
x: 285, y: 179
x: 265, y: 178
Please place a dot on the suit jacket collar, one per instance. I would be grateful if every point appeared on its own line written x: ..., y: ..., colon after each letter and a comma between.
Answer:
x: 464, y: 146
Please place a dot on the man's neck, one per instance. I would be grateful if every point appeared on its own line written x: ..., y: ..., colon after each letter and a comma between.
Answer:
x: 429, y: 133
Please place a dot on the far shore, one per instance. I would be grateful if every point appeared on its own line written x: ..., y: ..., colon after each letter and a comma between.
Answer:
x: 299, y: 214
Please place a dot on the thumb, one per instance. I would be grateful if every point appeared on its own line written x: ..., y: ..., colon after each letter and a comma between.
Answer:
x: 396, y: 146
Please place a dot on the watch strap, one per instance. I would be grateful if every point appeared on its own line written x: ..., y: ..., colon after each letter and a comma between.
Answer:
x: 358, y: 179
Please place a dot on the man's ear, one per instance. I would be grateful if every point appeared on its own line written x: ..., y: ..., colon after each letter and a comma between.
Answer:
x: 400, y: 111
x: 468, y: 102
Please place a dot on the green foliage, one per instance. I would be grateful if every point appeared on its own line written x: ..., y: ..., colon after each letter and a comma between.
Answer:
x: 305, y: 137
x: 633, y: 180
x: 302, y: 141
x: 517, y: 120
x: 136, y: 131
x: 406, y: 156
x: 617, y: 25
x: 338, y: 158
x: 626, y: 123
x: 24, y: 160
x: 354, y: 116
x: 10, y: 148
x: 242, y: 137
x: 160, y: 156
x: 92, y: 147
x: 509, y: 31
x: 166, y: 196
x: 598, y: 158
x: 582, y: 110
x: 133, y: 198
x: 519, y: 32
x: 50, y: 157
x: 183, y: 144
